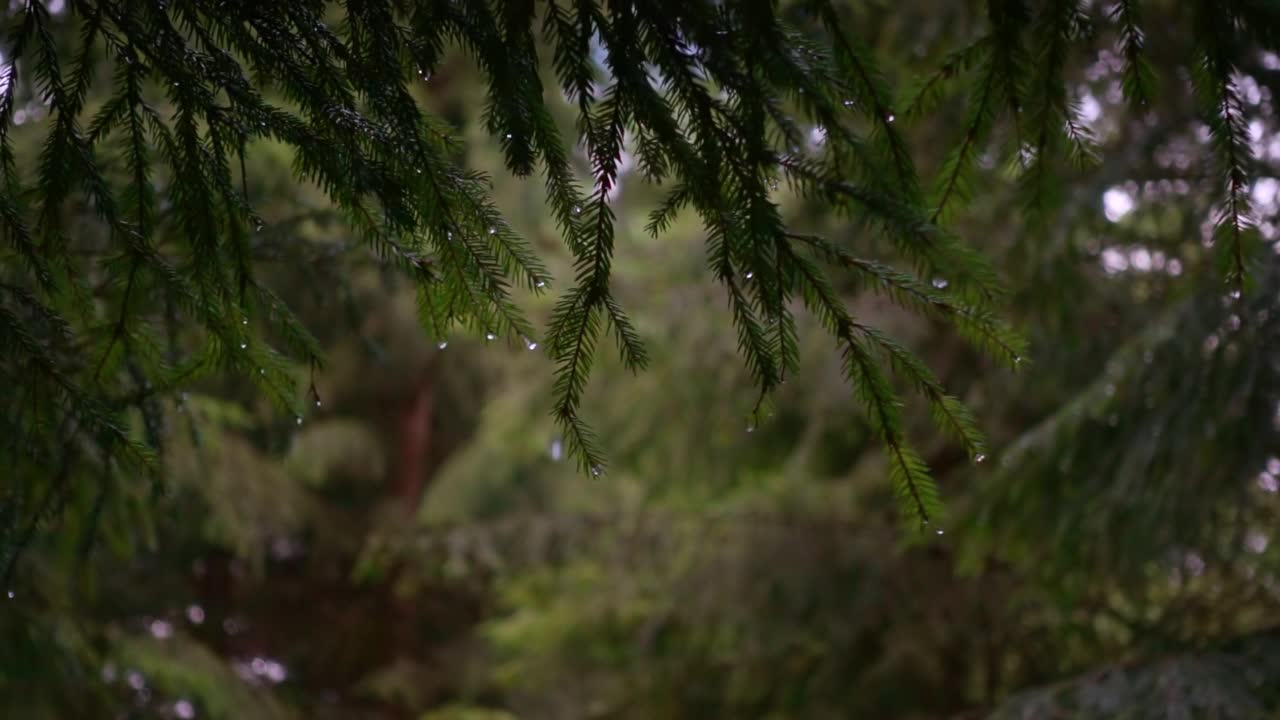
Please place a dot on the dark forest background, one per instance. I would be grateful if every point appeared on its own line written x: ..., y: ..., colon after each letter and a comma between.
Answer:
x: 417, y: 542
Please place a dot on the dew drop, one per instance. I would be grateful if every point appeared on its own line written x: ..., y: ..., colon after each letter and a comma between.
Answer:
x: 508, y: 136
x: 244, y: 321
x: 891, y: 117
x: 597, y: 471
x: 1234, y: 294
x: 540, y: 283
x: 979, y: 458
x: 577, y: 209
x: 317, y: 403
x: 262, y: 371
x: 493, y: 230
x: 244, y: 346
x: 557, y: 449
x: 298, y: 419
x: 442, y: 344
x: 1017, y: 359
x: 750, y: 275
x: 751, y: 427
x: 10, y: 594
x: 939, y: 531
x: 490, y: 336
x: 848, y: 103
x: 532, y: 345
x: 940, y: 283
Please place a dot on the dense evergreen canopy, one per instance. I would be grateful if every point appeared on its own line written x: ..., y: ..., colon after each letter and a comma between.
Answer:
x: 205, y: 204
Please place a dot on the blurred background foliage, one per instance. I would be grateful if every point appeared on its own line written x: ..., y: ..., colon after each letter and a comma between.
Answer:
x: 417, y: 545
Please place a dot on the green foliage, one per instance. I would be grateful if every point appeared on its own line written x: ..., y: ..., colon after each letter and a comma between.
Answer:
x: 182, y: 668
x: 713, y: 97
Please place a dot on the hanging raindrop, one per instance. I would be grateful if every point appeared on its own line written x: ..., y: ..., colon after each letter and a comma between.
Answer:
x: 540, y: 283
x: 597, y: 471
x: 940, y: 283
x: 244, y: 346
x: 490, y: 336
x: 493, y: 230
x: 848, y: 103
x: 939, y: 531
x: 442, y: 344
x: 530, y: 344
x: 298, y: 419
x: 557, y: 449
x: 891, y: 118
x: 577, y: 209
x: 750, y: 275
x: 979, y: 458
